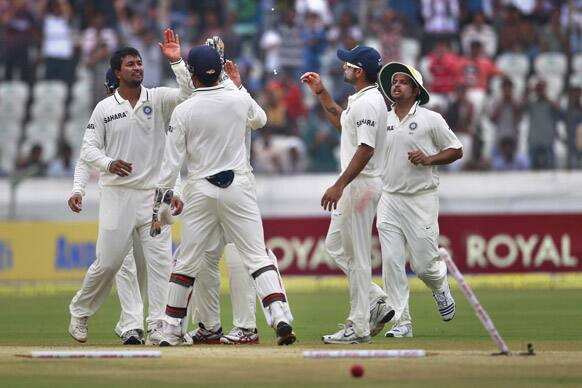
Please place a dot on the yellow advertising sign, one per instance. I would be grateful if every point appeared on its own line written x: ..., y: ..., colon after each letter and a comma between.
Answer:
x: 48, y: 250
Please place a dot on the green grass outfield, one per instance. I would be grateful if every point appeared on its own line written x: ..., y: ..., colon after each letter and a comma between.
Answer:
x: 459, y: 351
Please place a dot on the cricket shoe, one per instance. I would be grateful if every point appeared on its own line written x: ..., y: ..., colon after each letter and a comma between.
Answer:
x: 445, y: 304
x: 241, y: 336
x: 380, y: 315
x: 79, y: 329
x: 133, y: 337
x: 402, y: 331
x: 154, y: 337
x: 203, y: 336
x: 345, y: 336
x: 285, y: 334
x: 172, y: 336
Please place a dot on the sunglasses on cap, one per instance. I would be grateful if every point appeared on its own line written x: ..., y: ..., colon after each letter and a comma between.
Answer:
x: 350, y: 65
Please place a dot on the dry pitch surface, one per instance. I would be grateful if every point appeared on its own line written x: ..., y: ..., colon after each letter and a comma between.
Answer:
x: 270, y: 366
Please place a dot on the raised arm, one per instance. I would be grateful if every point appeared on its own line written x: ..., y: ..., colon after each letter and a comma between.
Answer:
x: 332, y: 110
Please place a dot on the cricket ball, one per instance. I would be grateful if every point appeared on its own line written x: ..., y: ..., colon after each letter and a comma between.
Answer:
x: 357, y: 370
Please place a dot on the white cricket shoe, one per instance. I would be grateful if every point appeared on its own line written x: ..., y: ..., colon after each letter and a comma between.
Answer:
x: 172, y: 336
x: 402, y: 331
x: 241, y: 336
x: 445, y: 304
x: 345, y: 336
x: 154, y: 337
x: 79, y: 329
x: 132, y: 337
x: 380, y: 314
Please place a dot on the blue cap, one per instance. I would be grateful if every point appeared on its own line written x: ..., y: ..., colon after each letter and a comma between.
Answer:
x: 111, y: 80
x: 205, y: 63
x: 365, y: 57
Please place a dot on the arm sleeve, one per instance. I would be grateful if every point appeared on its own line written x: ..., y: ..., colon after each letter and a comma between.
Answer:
x: 442, y: 135
x: 92, y: 149
x: 171, y: 97
x: 174, y: 154
x: 82, y: 174
x: 366, y: 117
x: 257, y: 118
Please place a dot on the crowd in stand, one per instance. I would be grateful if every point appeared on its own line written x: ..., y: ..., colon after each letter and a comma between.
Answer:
x: 503, y: 73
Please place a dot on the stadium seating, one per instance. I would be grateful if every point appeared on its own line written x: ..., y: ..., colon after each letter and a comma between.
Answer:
x: 552, y: 67
x: 409, y: 51
x: 74, y: 131
x: 10, y: 134
x: 13, y: 99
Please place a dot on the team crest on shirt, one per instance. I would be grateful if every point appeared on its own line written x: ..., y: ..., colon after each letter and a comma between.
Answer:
x: 147, y: 110
x: 413, y: 126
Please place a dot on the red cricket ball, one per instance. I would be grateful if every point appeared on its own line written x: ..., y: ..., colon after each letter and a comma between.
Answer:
x: 357, y: 370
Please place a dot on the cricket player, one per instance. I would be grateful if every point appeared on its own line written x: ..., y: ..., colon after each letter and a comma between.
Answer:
x: 354, y: 197
x: 209, y: 131
x: 418, y: 141
x: 130, y: 325
x: 125, y: 138
x: 205, y: 304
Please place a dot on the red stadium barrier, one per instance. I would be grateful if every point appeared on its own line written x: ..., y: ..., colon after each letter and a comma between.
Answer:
x: 520, y: 243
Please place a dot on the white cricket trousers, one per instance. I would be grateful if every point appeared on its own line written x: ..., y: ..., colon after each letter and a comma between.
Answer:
x: 409, y: 220
x: 205, y: 302
x: 209, y: 211
x: 125, y: 216
x: 349, y: 243
x: 129, y: 291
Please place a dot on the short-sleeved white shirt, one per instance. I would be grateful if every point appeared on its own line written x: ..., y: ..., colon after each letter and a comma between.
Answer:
x: 364, y: 122
x: 421, y: 129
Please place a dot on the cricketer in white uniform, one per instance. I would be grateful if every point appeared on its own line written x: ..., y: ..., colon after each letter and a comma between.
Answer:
x: 130, y: 283
x: 418, y: 141
x: 205, y: 303
x: 209, y: 131
x: 125, y: 139
x: 354, y: 197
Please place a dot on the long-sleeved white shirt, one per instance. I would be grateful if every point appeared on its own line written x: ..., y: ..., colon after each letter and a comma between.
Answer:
x: 210, y: 131
x: 135, y: 135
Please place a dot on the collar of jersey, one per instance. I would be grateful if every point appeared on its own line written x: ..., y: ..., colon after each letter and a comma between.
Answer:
x: 358, y: 94
x: 209, y: 88
x: 411, y: 112
x: 143, y: 96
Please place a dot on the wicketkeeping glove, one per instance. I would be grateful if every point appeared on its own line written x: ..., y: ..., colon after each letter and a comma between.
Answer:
x: 160, y: 197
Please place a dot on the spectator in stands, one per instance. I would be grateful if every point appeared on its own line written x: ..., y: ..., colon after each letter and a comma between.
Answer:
x: 571, y: 20
x: 134, y: 33
x: 265, y: 157
x: 506, y: 113
x: 475, y: 71
x: 478, y: 161
x: 291, y: 48
x: 321, y: 141
x: 32, y: 164
x: 346, y: 28
x: 516, y: 34
x: 97, y: 44
x: 573, y: 120
x: 460, y: 116
x: 552, y: 35
x: 57, y: 40
x: 388, y: 30
x: 18, y: 21
x: 441, y: 21
x: 543, y: 115
x: 314, y: 43
x: 63, y: 165
x: 443, y: 66
x: 480, y: 31
x: 508, y: 158
x: 293, y: 98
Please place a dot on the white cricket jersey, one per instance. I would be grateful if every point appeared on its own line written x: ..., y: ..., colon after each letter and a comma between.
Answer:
x: 135, y: 135
x: 210, y: 130
x: 421, y: 129
x: 364, y: 122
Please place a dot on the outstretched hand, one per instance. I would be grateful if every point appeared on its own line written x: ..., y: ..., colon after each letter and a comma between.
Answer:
x: 171, y: 46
